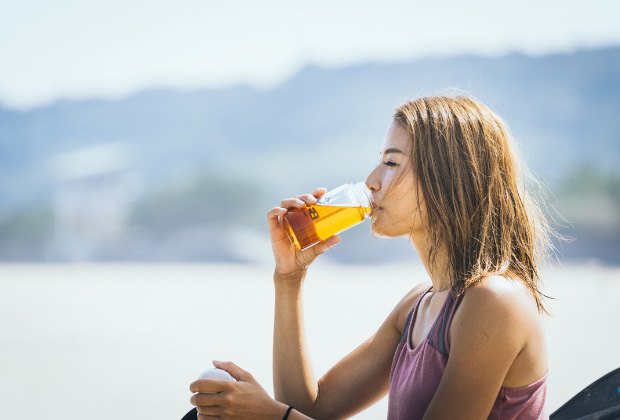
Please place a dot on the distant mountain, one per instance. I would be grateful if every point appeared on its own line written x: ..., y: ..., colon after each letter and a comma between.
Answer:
x: 321, y: 127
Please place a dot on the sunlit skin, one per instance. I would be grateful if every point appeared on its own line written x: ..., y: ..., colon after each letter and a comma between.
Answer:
x: 394, y: 189
x: 399, y: 205
x: 496, y: 337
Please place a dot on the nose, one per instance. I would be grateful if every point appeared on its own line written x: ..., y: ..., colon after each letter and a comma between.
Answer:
x: 372, y: 182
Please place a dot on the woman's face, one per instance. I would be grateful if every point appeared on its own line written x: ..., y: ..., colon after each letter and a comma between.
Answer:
x: 395, y: 189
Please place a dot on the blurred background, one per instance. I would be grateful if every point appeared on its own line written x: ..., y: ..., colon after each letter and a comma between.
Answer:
x: 141, y: 144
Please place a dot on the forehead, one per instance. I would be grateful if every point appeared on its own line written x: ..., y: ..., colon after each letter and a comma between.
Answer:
x: 396, y: 137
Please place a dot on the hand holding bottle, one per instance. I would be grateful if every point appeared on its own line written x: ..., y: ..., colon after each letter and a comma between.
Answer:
x: 289, y: 260
x: 338, y: 210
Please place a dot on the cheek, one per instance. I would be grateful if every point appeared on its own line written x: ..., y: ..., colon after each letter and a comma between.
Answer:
x: 403, y: 193
x: 392, y: 187
x: 390, y: 180
x: 405, y: 206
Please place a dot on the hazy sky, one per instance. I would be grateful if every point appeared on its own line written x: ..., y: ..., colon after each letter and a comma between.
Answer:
x: 52, y: 49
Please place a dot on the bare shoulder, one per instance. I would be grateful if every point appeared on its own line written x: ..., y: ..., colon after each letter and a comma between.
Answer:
x: 400, y: 312
x: 499, y: 296
x: 497, y: 310
x: 495, y: 342
x: 498, y: 318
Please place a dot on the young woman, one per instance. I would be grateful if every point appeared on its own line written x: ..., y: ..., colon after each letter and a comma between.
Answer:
x: 467, y: 344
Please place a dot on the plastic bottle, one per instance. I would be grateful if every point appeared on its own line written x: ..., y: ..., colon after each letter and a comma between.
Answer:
x: 336, y: 211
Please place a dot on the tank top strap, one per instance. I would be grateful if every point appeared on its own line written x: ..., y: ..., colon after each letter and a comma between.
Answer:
x: 414, y: 308
x: 438, y: 335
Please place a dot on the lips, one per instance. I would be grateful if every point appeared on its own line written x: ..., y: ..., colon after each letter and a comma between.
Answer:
x: 374, y: 208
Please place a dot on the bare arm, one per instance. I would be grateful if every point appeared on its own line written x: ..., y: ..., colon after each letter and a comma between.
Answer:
x: 293, y: 377
x: 359, y: 379
x: 356, y: 382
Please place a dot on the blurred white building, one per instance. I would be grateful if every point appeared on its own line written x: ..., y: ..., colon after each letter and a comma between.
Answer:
x: 91, y: 201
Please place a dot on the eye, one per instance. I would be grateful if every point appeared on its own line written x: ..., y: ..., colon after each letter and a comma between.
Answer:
x: 390, y: 163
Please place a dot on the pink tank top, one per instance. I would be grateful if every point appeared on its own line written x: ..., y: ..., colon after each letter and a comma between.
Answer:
x: 416, y: 374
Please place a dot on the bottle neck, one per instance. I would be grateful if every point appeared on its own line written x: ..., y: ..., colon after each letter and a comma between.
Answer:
x: 362, y: 193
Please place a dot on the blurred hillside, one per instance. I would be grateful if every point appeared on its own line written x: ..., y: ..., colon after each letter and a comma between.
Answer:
x: 189, y: 175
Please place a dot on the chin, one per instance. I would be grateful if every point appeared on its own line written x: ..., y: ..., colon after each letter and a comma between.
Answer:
x: 381, y: 232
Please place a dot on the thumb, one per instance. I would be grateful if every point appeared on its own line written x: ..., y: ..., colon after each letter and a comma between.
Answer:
x: 327, y: 244
x: 234, y: 370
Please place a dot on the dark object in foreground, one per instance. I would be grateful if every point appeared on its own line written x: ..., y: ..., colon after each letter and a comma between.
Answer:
x: 598, y: 401
x: 191, y: 414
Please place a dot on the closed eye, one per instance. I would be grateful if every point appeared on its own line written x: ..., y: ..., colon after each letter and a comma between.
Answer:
x: 390, y: 163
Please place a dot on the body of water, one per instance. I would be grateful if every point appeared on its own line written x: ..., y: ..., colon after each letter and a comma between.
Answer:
x: 116, y: 341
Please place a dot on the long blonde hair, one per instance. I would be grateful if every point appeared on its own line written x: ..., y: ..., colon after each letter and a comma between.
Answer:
x: 474, y: 189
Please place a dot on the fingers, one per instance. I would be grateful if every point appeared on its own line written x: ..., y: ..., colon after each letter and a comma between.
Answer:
x: 273, y: 215
x: 303, y: 199
x: 210, y: 385
x: 331, y: 242
x: 308, y: 199
x: 234, y: 370
x: 306, y: 257
x: 209, y: 412
x: 296, y: 202
x: 328, y: 243
x: 208, y: 405
x: 208, y: 399
x: 319, y: 192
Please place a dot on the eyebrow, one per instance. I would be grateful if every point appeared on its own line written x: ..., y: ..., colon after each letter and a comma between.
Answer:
x: 392, y: 150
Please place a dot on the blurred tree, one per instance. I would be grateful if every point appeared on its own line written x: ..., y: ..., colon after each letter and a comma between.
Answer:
x: 25, y: 235
x: 207, y: 199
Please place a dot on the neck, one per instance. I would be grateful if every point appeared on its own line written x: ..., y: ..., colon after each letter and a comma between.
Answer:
x: 438, y: 268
